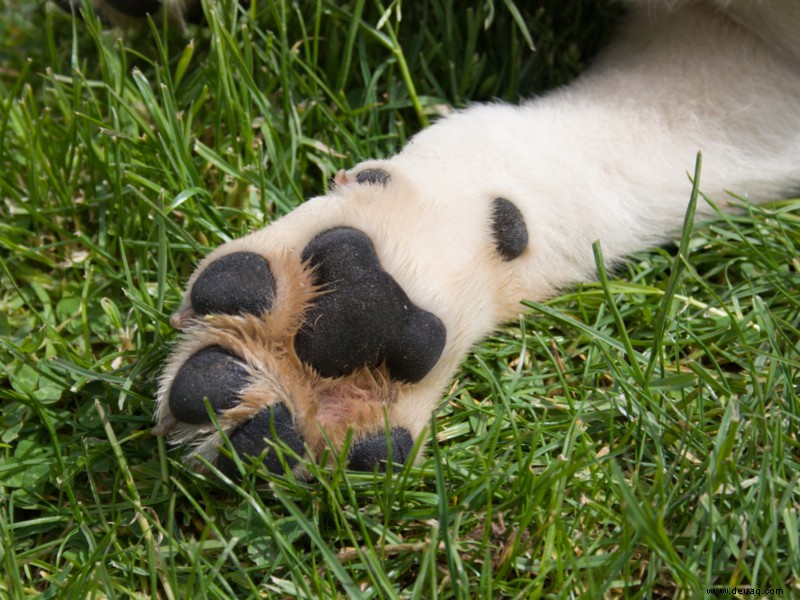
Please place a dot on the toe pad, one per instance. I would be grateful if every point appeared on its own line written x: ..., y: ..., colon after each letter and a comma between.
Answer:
x: 212, y: 373
x: 372, y: 177
x: 241, y: 282
x: 250, y: 440
x: 371, y: 452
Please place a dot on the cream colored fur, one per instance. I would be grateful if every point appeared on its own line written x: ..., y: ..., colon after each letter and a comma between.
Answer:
x: 607, y: 158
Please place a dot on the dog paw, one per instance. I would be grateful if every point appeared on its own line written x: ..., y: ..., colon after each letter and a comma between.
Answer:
x: 336, y: 327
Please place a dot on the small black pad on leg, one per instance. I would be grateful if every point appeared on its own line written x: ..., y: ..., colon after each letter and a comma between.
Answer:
x: 241, y: 282
x: 509, y: 229
x: 212, y: 373
x: 364, y: 318
x: 371, y: 452
x: 250, y: 440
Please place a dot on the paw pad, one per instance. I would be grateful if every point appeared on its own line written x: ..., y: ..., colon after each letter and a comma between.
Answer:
x: 373, y: 176
x: 241, y: 282
x: 371, y: 452
x: 509, y: 229
x: 212, y: 373
x: 363, y: 318
x: 250, y: 440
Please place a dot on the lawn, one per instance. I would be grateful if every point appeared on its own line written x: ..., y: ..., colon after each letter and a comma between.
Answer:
x: 638, y: 437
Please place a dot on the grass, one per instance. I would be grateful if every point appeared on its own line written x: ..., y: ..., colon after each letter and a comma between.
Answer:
x: 633, y: 438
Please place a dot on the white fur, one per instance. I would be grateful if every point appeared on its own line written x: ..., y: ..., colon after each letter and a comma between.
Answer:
x: 607, y: 158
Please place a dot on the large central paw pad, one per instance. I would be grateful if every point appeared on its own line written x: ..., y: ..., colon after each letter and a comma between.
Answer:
x: 364, y: 318
x: 299, y: 352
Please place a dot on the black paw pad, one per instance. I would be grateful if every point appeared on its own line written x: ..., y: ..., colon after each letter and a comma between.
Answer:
x: 365, y: 318
x: 373, y: 176
x: 509, y: 229
x: 236, y: 283
x: 212, y: 373
x: 274, y: 423
x: 371, y: 452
